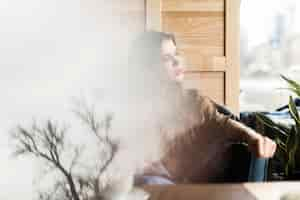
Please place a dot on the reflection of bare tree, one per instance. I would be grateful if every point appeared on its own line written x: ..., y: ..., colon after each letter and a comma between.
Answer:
x: 47, y: 142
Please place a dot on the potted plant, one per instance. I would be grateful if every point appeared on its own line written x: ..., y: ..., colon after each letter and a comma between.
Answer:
x: 286, y: 162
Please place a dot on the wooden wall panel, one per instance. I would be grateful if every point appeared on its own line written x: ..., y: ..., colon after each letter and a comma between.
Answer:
x: 195, y: 23
x: 207, y: 33
x: 197, y: 62
x: 189, y: 47
x: 207, y: 83
x: 153, y: 14
x: 193, y: 5
x: 199, y: 27
x: 232, y: 53
x: 197, y: 30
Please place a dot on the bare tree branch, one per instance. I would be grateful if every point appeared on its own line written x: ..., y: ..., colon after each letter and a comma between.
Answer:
x: 48, y: 143
x: 44, y: 143
x: 89, y: 117
x: 75, y: 158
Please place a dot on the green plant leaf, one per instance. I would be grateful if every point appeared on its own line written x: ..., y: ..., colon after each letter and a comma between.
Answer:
x: 281, y: 144
x: 281, y: 157
x: 294, y: 86
x: 286, y: 170
x: 296, y: 144
x: 297, y: 148
x: 296, y: 91
x: 266, y: 120
x: 291, y: 163
x: 285, y: 128
x: 292, y: 140
x: 293, y: 110
x: 278, y: 128
x: 292, y: 146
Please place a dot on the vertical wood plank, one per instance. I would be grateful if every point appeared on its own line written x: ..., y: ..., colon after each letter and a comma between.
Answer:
x: 232, y: 54
x: 207, y: 83
x: 153, y: 15
x: 193, y: 5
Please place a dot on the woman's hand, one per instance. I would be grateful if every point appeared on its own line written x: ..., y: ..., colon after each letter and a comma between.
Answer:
x: 261, y: 146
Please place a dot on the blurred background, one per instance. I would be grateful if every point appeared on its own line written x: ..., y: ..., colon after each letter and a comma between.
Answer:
x: 270, y: 46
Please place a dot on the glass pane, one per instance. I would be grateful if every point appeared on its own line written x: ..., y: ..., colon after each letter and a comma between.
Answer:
x: 270, y: 46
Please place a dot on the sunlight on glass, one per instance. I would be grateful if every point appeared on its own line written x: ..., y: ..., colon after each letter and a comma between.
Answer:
x: 270, y: 46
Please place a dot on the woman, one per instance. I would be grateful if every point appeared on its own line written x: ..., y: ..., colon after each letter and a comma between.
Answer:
x: 197, y: 136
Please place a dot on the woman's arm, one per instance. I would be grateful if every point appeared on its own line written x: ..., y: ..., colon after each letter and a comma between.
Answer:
x: 235, y: 131
x: 258, y: 144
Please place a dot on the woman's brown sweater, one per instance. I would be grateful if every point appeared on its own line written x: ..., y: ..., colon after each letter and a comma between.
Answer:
x: 201, y: 153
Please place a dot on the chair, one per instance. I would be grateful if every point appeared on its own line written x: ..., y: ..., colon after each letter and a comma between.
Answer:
x: 245, y: 167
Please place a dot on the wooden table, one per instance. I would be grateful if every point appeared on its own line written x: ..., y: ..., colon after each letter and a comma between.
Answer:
x: 243, y: 191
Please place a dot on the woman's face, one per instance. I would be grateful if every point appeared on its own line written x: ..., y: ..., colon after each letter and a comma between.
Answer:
x: 171, y: 61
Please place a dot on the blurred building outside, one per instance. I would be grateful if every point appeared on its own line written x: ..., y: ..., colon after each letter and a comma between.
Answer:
x: 270, y: 46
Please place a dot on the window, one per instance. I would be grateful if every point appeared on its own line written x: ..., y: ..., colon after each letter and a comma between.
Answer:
x: 270, y: 46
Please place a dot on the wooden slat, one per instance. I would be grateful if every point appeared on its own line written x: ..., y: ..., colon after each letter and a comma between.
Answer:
x: 199, y: 27
x: 200, y: 40
x: 207, y: 83
x: 197, y: 31
x: 201, y: 50
x: 153, y: 15
x: 194, y: 23
x: 193, y: 5
x: 197, y: 62
x: 232, y: 53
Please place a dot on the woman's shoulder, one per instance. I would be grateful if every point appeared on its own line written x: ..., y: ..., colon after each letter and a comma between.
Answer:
x: 201, y: 102
x: 196, y: 95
